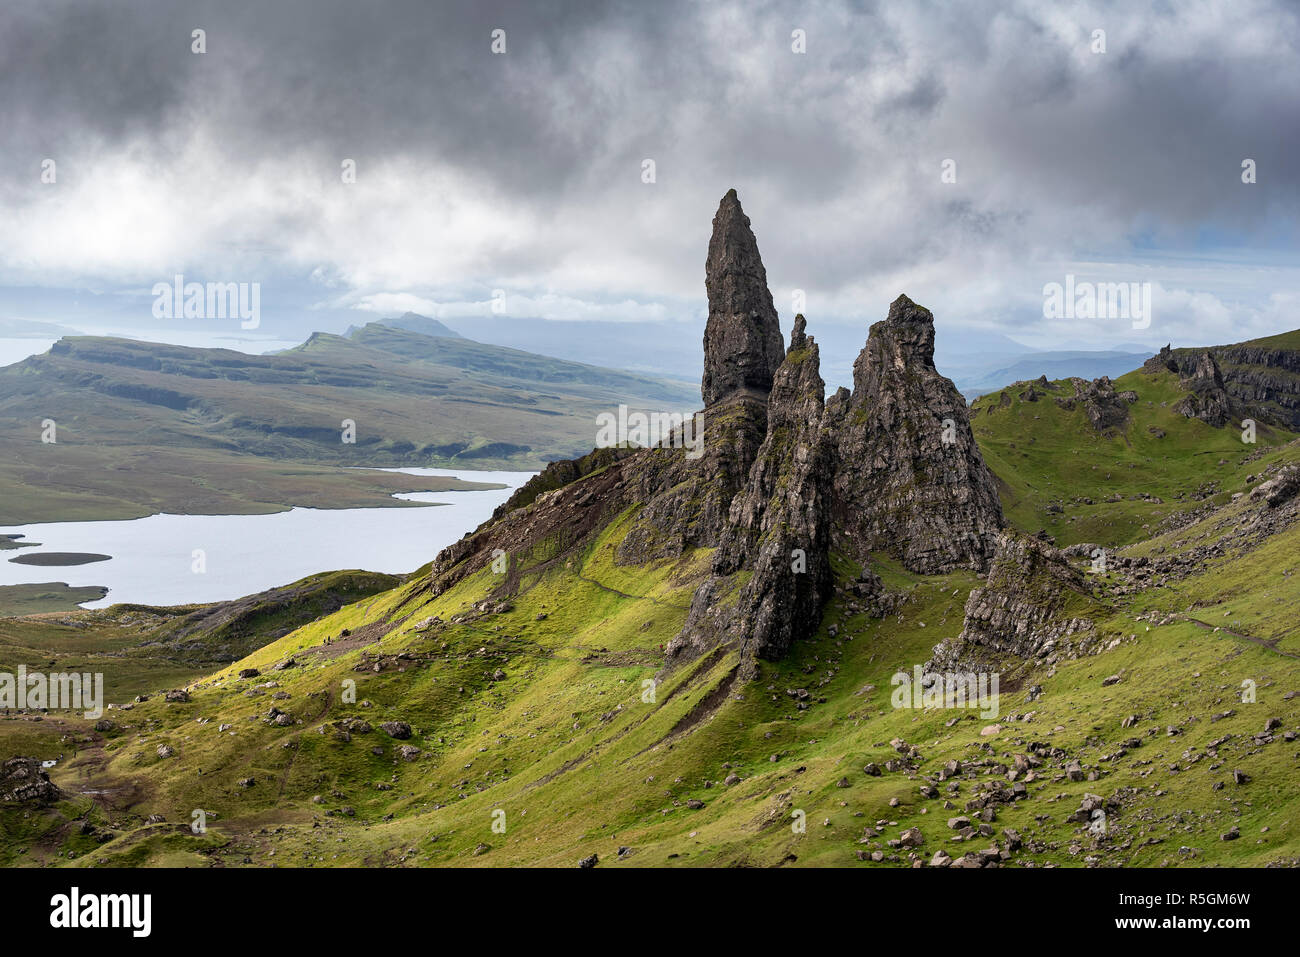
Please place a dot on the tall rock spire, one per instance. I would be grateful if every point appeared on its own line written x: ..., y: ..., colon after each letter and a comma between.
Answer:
x: 742, y: 341
x: 778, y: 528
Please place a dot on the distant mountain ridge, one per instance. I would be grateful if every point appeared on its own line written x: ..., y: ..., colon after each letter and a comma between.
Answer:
x: 1054, y: 365
x: 414, y: 322
x: 136, y: 422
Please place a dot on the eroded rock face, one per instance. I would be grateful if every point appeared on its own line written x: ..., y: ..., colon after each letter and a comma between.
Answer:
x: 742, y: 340
x: 1029, y: 610
x: 1260, y: 377
x: 1208, y: 399
x: 909, y: 477
x: 24, y: 781
x: 687, y: 500
x: 778, y: 525
x: 566, y: 516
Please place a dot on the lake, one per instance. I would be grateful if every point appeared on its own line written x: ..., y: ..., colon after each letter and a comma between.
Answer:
x: 152, y: 559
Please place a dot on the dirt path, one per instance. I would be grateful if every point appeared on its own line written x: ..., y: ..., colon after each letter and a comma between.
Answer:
x: 622, y: 594
x: 1269, y: 643
x: 293, y: 752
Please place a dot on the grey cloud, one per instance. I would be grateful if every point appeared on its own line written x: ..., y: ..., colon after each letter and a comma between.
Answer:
x: 839, y: 148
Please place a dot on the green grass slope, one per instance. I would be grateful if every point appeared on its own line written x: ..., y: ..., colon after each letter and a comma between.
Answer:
x: 541, y: 744
x: 141, y: 647
x: 1057, y: 473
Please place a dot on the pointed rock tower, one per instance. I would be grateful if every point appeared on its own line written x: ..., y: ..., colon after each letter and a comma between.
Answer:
x: 742, y: 340
x: 687, y: 500
x: 778, y: 527
x: 909, y: 477
x: 783, y: 475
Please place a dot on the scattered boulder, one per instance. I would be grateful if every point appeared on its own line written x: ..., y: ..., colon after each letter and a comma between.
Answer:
x: 396, y: 729
x: 24, y: 781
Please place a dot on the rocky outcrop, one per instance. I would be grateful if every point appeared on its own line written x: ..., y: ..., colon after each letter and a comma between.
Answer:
x: 1034, y: 607
x: 686, y: 501
x: 742, y: 339
x: 1207, y: 398
x: 559, y: 474
x: 909, y: 478
x: 1260, y: 379
x: 24, y: 781
x: 1107, y: 410
x: 778, y: 525
x: 1162, y: 361
x: 563, y: 517
x: 1280, y: 489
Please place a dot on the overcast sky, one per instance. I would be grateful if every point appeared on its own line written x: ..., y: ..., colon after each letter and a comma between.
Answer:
x: 523, y: 171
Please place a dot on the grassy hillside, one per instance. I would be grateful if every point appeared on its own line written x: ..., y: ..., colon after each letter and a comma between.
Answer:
x: 523, y: 717
x: 142, y: 647
x: 530, y: 704
x: 1058, y: 473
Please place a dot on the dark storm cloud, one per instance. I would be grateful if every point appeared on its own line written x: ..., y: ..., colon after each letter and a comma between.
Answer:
x: 1059, y: 151
x: 345, y: 78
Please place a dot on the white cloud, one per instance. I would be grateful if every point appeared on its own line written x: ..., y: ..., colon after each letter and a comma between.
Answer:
x: 526, y: 176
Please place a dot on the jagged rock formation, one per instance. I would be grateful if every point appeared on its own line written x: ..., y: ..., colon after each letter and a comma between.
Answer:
x: 1199, y: 374
x: 682, y: 502
x: 1259, y: 379
x: 909, y: 477
x: 1032, y: 608
x: 778, y: 525
x: 686, y: 501
x: 1106, y: 409
x: 894, y: 465
x: 1208, y: 399
x: 742, y: 340
x: 1162, y: 361
x: 24, y: 781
